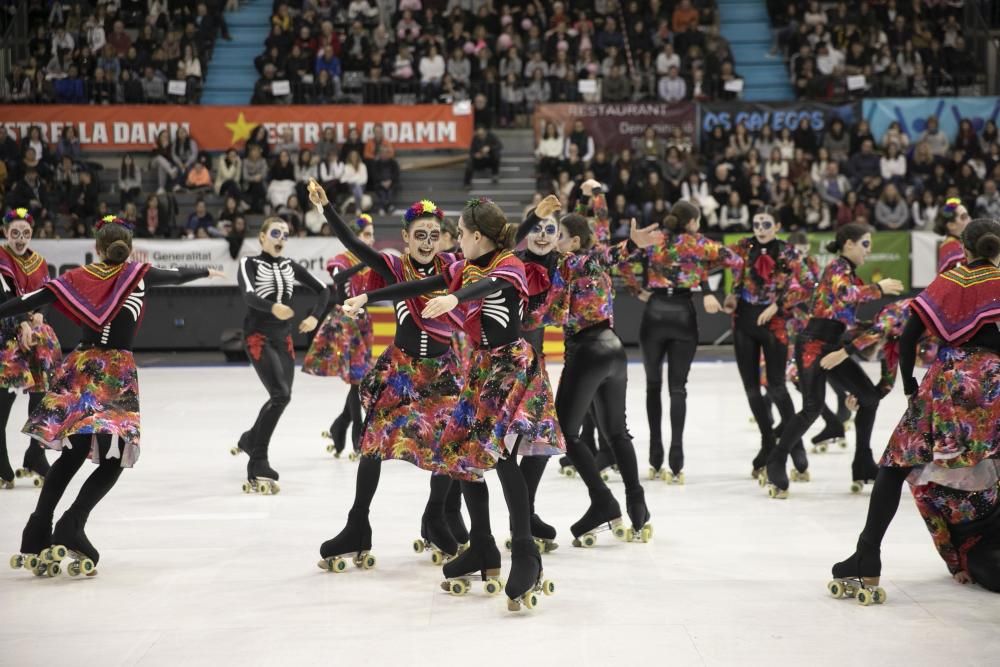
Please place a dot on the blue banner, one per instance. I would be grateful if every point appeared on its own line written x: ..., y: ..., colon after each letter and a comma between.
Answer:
x: 779, y: 115
x: 912, y: 113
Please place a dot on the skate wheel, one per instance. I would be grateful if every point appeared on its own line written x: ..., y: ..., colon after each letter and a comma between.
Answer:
x: 776, y: 493
x: 329, y: 449
x: 587, y: 541
x: 492, y: 587
x: 336, y: 564
x: 368, y: 562
x: 20, y: 473
x: 507, y: 543
x: 604, y: 476
x: 865, y: 598
x: 418, y: 546
x: 653, y: 473
x: 762, y: 479
x: 328, y: 436
x: 52, y: 570
x: 879, y: 595
x: 548, y: 587
x: 246, y: 487
x: 54, y: 554
x: 235, y: 451
x: 87, y: 566
x: 843, y: 443
x: 353, y: 456
x: 4, y: 484
x: 646, y: 534
x: 39, y: 570
x: 530, y: 600
x: 16, y: 561
x: 38, y: 481
x: 31, y: 562
x: 836, y: 589
x: 459, y: 587
x: 623, y: 533
x: 856, y: 487
x: 275, y: 488
x: 437, y: 557
x: 73, y: 569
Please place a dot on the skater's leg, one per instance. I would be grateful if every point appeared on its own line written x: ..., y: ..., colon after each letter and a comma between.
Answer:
x: 432, y: 524
x: 477, y: 502
x: 653, y: 345
x: 852, y: 378
x: 366, y: 483
x: 271, y: 366
x: 61, y: 473
x: 356, y: 537
x: 7, y: 399
x: 866, y: 560
x: 984, y: 563
x: 812, y: 383
x: 609, y: 404
x: 515, y: 492
x: 453, y: 512
x: 776, y: 360
x: 354, y: 409
x: 532, y: 468
x: 680, y: 356
x: 97, y: 485
x: 589, y: 434
x: 34, y: 455
x: 748, y: 351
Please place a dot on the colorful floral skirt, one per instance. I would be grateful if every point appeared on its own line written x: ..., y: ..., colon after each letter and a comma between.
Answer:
x: 408, y: 402
x: 954, y: 419
x: 94, y: 391
x: 464, y: 351
x: 507, y: 399
x: 31, y: 371
x: 342, y: 348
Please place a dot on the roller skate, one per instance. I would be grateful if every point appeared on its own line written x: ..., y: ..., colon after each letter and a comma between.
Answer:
x: 453, y: 517
x: 338, y: 434
x: 656, y: 470
x: 261, y: 478
x: 243, y: 445
x: 800, y: 463
x: 640, y: 530
x: 481, y: 557
x: 69, y: 537
x: 36, y: 538
x: 858, y: 577
x: 831, y: 436
x: 676, y: 461
x: 605, y: 463
x: 525, y: 581
x: 355, y: 455
x: 863, y: 470
x: 436, y: 538
x: 760, y: 460
x: 543, y: 534
x: 35, y: 465
x: 774, y: 477
x: 355, y: 540
x: 566, y: 467
x: 603, y: 514
x: 845, y: 417
x: 6, y: 474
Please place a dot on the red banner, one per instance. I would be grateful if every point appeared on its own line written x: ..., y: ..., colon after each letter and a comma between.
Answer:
x: 217, y: 128
x: 616, y: 127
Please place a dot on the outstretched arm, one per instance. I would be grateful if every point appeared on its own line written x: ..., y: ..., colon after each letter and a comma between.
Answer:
x: 409, y: 289
x: 156, y: 277
x: 27, y: 303
x: 908, y: 342
x: 481, y: 289
x: 368, y: 255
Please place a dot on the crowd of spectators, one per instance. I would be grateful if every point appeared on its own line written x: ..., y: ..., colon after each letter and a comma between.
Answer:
x: 815, y: 181
x: 120, y: 52
x: 506, y: 61
x: 62, y: 189
x: 890, y: 48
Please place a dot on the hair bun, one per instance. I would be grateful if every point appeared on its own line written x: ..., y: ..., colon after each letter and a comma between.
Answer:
x: 118, y: 252
x: 832, y: 247
x: 988, y: 246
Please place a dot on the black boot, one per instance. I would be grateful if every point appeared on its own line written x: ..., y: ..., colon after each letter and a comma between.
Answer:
x: 453, y: 514
x: 434, y: 530
x: 676, y: 461
x: 36, y: 538
x: 859, y: 575
x: 338, y: 433
x: 355, y: 540
x: 775, y: 476
x: 69, y: 533
x: 541, y: 530
x: 35, y: 461
x: 655, y: 458
x: 6, y: 474
x: 760, y: 460
x: 525, y: 574
x: 638, y: 514
x: 566, y: 467
x: 863, y: 470
x: 603, y: 510
x: 800, y: 462
x: 832, y: 433
x: 482, y: 557
x: 243, y: 445
x: 261, y: 477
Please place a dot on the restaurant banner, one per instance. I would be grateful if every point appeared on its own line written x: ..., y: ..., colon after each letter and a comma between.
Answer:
x: 779, y: 115
x: 616, y: 127
x: 217, y: 128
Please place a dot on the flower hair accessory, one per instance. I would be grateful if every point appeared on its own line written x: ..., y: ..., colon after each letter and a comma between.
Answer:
x: 420, y: 209
x: 18, y: 214
x: 473, y: 203
x: 363, y: 221
x: 113, y: 220
x: 950, y: 207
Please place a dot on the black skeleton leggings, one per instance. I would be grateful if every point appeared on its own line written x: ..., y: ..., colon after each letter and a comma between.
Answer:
x: 273, y: 357
x: 67, y: 465
x: 750, y: 341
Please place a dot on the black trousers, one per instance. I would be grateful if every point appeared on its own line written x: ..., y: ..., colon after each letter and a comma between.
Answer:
x: 750, y: 340
x: 669, y: 330
x: 273, y: 357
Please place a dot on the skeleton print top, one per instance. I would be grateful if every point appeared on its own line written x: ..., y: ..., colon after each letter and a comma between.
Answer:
x: 118, y: 332
x: 264, y: 281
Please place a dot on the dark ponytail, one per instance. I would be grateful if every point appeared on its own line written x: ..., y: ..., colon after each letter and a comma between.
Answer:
x: 577, y: 225
x: 982, y: 238
x: 852, y: 231
x: 680, y: 215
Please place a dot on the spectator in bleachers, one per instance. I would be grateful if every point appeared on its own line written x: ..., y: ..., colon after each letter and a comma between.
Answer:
x: 549, y: 151
x: 924, y: 212
x: 353, y: 143
x: 355, y: 177
x: 377, y: 145
x: 129, y: 180
x: 255, y: 177
x: 328, y: 62
x: 153, y: 86
x: 672, y: 88
x: 230, y: 211
x: 582, y: 140
x: 228, y: 174
x: 385, y: 179
x: 331, y: 170
x: 484, y: 153
x: 200, y: 222
x: 119, y: 39
x: 169, y: 173
x: 84, y: 198
x: 199, y: 177
x: 935, y: 139
x: 281, y: 179
x: 891, y: 211
x: 734, y: 216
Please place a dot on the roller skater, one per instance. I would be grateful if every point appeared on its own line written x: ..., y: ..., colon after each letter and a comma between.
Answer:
x: 951, y: 222
x: 267, y: 282
x: 94, y: 394
x: 342, y: 346
x: 947, y: 444
x: 664, y: 276
x: 820, y: 354
x: 505, y: 407
x: 482, y: 558
x: 412, y: 389
x: 29, y: 348
x: 595, y: 371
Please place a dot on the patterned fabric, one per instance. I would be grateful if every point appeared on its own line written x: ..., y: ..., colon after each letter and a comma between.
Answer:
x: 960, y: 301
x: 579, y: 297
x: 507, y: 397
x: 403, y: 270
x: 92, y: 295
x: 766, y: 274
x: 94, y: 391
x: 682, y: 262
x: 840, y: 292
x: 462, y: 349
x: 951, y: 253
x: 255, y: 342
x: 408, y: 402
x: 28, y: 271
x: 341, y: 348
x: 502, y: 266
x: 356, y: 284
x: 31, y: 371
x: 598, y: 214
x: 954, y: 419
x: 943, y: 507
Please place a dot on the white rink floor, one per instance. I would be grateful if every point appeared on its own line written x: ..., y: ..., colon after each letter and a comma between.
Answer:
x: 196, y: 572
